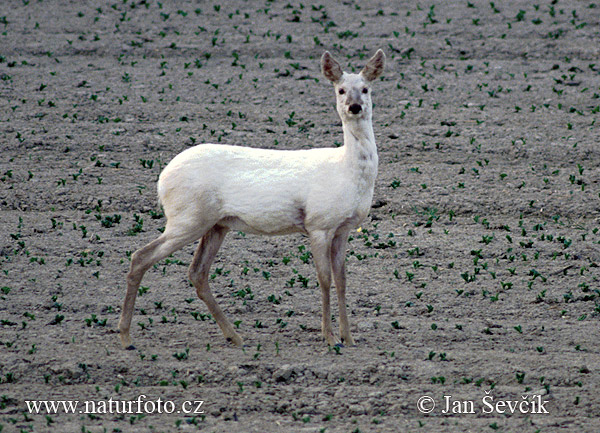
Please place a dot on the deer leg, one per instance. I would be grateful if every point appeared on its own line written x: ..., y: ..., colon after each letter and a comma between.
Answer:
x: 169, y: 242
x: 320, y: 242
x: 338, y: 265
x: 198, y: 274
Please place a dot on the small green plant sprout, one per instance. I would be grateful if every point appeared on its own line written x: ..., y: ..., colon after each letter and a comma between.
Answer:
x: 93, y: 320
x: 180, y: 356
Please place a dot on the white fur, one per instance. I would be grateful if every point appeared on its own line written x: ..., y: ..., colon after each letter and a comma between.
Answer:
x: 209, y: 189
x: 266, y: 191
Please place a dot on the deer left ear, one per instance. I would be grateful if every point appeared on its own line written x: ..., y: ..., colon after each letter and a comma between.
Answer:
x: 374, y: 67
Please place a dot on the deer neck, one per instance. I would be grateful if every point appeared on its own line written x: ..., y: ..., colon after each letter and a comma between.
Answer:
x: 359, y: 141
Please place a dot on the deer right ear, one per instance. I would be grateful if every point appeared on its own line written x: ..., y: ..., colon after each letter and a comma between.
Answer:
x: 330, y: 68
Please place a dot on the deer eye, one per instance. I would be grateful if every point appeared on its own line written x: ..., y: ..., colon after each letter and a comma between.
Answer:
x: 365, y: 90
x: 341, y: 91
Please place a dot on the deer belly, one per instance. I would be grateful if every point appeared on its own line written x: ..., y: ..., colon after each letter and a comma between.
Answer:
x: 267, y: 222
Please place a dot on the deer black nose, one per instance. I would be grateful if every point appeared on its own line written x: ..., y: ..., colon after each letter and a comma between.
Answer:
x: 355, y: 108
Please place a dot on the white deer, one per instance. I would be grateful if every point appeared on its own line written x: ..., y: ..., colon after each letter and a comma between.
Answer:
x: 324, y: 193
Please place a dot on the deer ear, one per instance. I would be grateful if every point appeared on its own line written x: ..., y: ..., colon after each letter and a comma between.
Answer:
x: 330, y: 68
x: 374, y: 66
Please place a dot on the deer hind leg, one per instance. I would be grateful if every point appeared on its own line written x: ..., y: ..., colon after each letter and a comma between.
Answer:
x: 338, y: 265
x: 320, y: 242
x: 169, y: 242
x: 198, y: 274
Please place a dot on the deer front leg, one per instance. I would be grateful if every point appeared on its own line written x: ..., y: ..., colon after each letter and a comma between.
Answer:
x: 320, y: 242
x: 338, y: 264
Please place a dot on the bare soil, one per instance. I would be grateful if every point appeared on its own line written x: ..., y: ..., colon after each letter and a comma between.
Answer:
x: 475, y: 275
